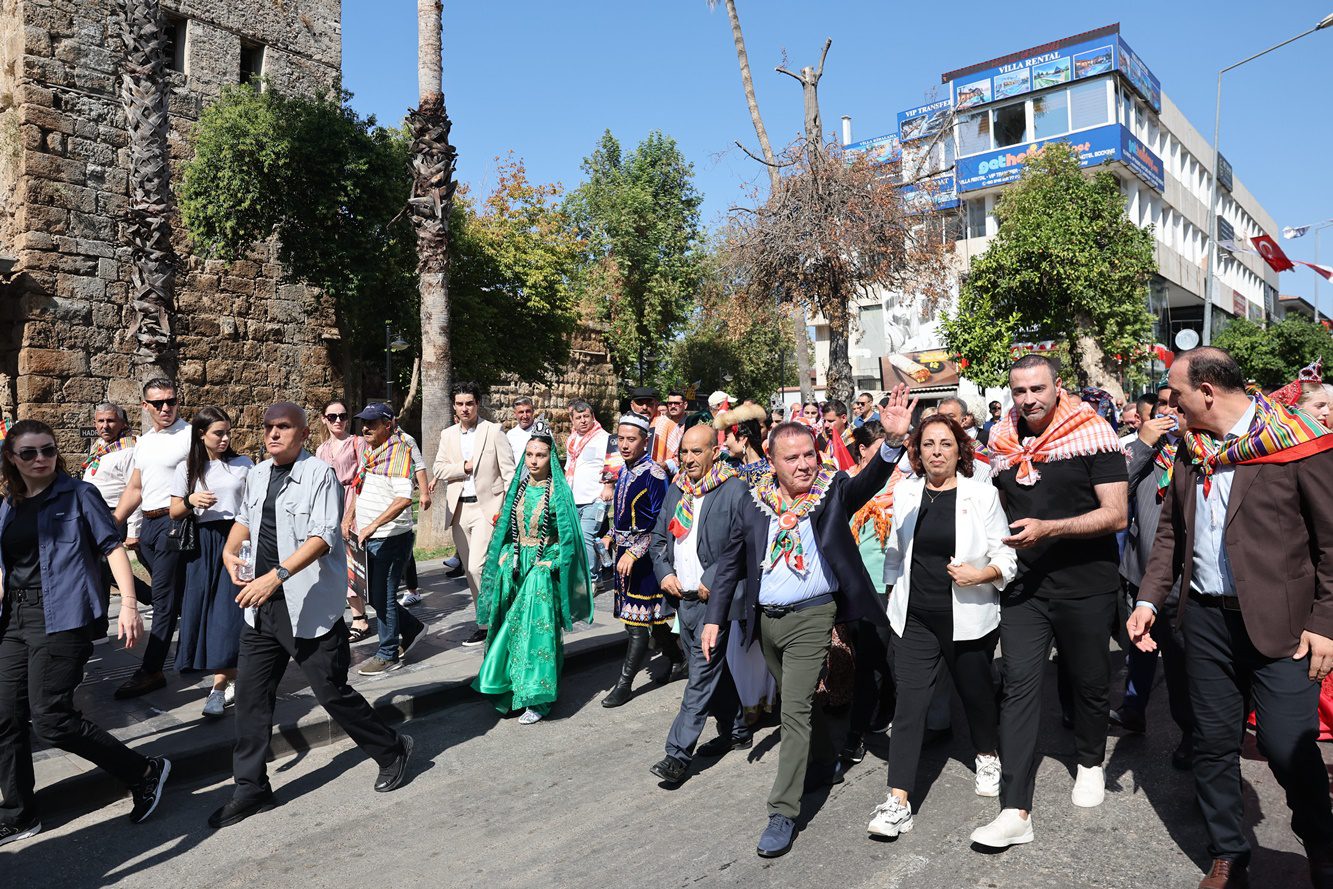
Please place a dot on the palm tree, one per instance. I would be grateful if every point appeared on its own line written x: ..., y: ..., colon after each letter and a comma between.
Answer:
x: 770, y: 161
x: 148, y: 228
x: 433, y: 163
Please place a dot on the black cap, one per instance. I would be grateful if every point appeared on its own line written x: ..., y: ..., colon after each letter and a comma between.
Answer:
x: 643, y: 393
x: 376, y: 411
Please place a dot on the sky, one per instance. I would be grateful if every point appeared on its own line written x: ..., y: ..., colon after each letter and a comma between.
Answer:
x: 545, y: 79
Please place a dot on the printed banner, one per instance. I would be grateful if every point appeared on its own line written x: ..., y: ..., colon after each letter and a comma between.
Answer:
x: 1107, y: 143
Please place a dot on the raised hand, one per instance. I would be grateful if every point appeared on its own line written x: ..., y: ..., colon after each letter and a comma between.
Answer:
x: 896, y: 418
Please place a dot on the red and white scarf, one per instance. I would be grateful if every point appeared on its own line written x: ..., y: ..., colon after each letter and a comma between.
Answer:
x: 1075, y: 430
x: 574, y: 446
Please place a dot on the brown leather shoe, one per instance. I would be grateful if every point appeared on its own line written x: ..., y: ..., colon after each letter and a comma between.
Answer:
x: 1321, y: 866
x: 1226, y: 874
x: 140, y: 684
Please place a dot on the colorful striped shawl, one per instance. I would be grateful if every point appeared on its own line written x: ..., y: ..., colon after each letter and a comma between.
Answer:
x: 393, y: 458
x: 101, y: 449
x: 787, y: 542
x: 683, y: 519
x: 1278, y: 434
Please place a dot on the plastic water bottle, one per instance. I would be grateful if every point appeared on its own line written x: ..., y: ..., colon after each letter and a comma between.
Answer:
x: 247, y: 569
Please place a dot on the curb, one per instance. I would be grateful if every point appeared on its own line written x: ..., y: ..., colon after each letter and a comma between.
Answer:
x: 96, y: 788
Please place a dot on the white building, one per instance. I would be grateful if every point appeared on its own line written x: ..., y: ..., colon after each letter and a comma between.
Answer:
x: 1093, y: 91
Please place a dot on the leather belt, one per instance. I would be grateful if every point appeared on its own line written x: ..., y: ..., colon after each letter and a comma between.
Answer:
x: 689, y: 595
x: 776, y: 611
x: 467, y: 499
x: 155, y: 513
x: 27, y: 595
x: 1226, y: 603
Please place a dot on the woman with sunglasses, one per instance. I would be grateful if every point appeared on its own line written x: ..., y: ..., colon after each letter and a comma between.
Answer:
x: 209, y: 485
x: 342, y: 450
x: 54, y: 532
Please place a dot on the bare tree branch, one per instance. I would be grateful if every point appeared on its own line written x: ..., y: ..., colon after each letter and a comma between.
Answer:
x: 819, y: 72
x: 781, y: 70
x: 775, y: 166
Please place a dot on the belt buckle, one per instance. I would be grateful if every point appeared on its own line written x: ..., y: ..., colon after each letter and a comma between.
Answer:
x: 1231, y: 603
x: 775, y: 611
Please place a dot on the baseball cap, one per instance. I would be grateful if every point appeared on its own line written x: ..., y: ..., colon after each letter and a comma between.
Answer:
x: 376, y: 411
x: 718, y: 397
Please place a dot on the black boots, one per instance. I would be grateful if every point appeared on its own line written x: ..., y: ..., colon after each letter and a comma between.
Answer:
x: 635, y: 655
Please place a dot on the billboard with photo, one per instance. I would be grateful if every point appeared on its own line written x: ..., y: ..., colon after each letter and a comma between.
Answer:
x: 879, y: 150
x: 919, y: 370
x: 1108, y: 143
x: 924, y: 121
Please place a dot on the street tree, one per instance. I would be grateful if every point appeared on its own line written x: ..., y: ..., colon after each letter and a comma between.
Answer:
x: 637, y: 215
x: 797, y: 320
x: 1274, y: 355
x: 1066, y: 265
x: 833, y: 231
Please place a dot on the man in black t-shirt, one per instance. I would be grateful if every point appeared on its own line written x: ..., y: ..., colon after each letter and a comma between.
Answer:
x: 1063, y: 481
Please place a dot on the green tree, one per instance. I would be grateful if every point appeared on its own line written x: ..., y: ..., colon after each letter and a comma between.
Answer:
x: 1067, y: 265
x: 638, y: 216
x: 1274, y: 356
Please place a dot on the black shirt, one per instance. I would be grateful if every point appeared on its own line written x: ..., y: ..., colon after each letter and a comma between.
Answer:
x: 1064, y: 567
x: 267, y: 558
x: 21, y: 546
x: 933, y: 547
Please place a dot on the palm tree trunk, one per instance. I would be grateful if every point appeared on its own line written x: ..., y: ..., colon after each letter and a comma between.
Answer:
x: 148, y: 226
x: 799, y: 332
x: 433, y: 164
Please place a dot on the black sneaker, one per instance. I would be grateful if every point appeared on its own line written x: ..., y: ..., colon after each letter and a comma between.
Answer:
x: 12, y: 833
x: 148, y: 792
x: 853, y: 753
x: 391, y: 776
x: 237, y: 810
x: 477, y: 638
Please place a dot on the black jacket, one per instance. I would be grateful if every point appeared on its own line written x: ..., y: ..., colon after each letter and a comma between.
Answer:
x: 715, y: 521
x: 748, y: 547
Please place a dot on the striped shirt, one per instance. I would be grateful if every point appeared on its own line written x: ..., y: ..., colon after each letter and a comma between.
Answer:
x: 377, y: 492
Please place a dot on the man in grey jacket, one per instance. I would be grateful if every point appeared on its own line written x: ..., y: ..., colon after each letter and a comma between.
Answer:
x: 690, y: 534
x: 1157, y: 434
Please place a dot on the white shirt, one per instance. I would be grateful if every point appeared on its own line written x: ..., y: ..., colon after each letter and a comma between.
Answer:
x: 587, y: 482
x: 689, y: 571
x: 780, y: 585
x: 225, y: 478
x: 110, y: 478
x: 467, y: 442
x: 518, y: 440
x: 156, y: 456
x: 1127, y: 440
x: 1212, y: 568
x: 377, y: 493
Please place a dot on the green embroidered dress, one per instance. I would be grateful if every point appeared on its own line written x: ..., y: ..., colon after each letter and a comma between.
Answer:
x: 534, y: 586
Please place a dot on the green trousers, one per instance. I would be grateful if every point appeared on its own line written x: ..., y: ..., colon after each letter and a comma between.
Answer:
x: 795, y: 646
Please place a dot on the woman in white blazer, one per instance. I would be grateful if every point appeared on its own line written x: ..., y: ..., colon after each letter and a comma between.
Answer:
x: 944, y: 567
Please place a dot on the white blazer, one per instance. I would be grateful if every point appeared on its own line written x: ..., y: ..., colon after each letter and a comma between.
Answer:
x: 980, y: 524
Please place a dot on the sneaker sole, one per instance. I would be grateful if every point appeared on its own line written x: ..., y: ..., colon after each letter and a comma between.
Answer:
x: 30, y: 832
x: 395, y: 665
x: 988, y: 793
x: 1016, y: 841
x: 470, y: 644
x: 157, y: 794
x: 889, y: 833
x: 1088, y: 805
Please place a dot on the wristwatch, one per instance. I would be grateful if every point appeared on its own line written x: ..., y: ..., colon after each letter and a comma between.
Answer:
x: 283, y: 574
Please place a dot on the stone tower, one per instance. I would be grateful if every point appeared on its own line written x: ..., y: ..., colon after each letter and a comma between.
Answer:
x: 244, y: 336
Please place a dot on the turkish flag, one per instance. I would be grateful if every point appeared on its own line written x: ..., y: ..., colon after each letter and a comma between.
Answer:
x: 1321, y: 270
x: 1272, y: 253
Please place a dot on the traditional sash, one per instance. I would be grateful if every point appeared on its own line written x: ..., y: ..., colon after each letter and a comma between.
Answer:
x: 1278, y: 434
x: 393, y: 458
x: 787, y: 542
x: 574, y: 446
x: 100, y: 450
x: 1075, y: 431
x: 1164, y: 461
x: 879, y: 510
x: 683, y: 519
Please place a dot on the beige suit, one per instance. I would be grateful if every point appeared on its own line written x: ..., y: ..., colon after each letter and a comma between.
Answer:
x: 492, y: 471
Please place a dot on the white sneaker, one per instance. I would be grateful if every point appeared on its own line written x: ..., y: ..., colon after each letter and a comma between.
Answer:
x: 1089, y: 787
x: 216, y: 704
x: 988, y: 775
x: 409, y: 599
x: 890, y: 818
x: 1008, y: 829
x: 229, y: 696
x: 529, y: 717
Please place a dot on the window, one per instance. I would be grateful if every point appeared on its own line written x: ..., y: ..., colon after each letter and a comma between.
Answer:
x: 1087, y: 105
x: 872, y: 330
x: 1011, y: 125
x: 174, y: 50
x: 974, y: 133
x: 1050, y: 115
x: 252, y: 62
x: 976, y: 217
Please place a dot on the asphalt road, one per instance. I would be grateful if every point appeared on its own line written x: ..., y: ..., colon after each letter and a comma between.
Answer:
x: 570, y: 802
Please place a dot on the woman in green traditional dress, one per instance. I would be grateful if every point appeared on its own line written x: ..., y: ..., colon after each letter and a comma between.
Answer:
x: 534, y: 586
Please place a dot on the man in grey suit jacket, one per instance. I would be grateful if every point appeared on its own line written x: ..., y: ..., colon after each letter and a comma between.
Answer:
x: 689, y: 537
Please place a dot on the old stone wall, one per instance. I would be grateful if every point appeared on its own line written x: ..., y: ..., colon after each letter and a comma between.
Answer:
x: 245, y: 337
x: 589, y: 376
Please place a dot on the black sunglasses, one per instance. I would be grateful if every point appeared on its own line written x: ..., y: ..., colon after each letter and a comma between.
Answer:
x: 27, y: 455
x: 159, y: 403
x: 336, y: 418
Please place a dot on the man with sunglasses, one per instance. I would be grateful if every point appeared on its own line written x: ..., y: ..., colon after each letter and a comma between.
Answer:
x: 675, y: 405
x: 864, y: 409
x: 157, y: 453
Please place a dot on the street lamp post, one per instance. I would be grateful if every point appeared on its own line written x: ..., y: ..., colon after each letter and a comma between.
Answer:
x: 1296, y: 232
x: 1211, y: 289
x: 392, y: 343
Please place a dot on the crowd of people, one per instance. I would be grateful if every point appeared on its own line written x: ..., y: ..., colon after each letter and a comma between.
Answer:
x: 783, y: 565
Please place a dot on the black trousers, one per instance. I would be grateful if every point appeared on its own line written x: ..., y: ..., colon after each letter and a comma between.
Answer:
x: 926, y: 645
x: 167, y: 569
x: 1225, y: 671
x: 265, y: 650
x: 873, y: 686
x: 1082, y: 629
x: 38, y: 674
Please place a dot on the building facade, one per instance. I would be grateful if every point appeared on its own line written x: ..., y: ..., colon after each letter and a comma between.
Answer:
x: 1093, y: 91
x: 244, y: 335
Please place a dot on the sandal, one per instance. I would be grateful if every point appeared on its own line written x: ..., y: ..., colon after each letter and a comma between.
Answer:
x: 356, y: 634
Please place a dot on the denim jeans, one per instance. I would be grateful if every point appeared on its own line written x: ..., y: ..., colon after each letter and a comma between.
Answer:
x: 592, y: 519
x: 385, y: 558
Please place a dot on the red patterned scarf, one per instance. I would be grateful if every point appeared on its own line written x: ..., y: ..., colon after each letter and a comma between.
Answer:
x: 1075, y: 430
x: 574, y: 446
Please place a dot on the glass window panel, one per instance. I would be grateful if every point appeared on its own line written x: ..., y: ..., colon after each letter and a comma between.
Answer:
x: 1087, y: 105
x: 1011, y: 125
x: 974, y: 133
x: 1050, y: 115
